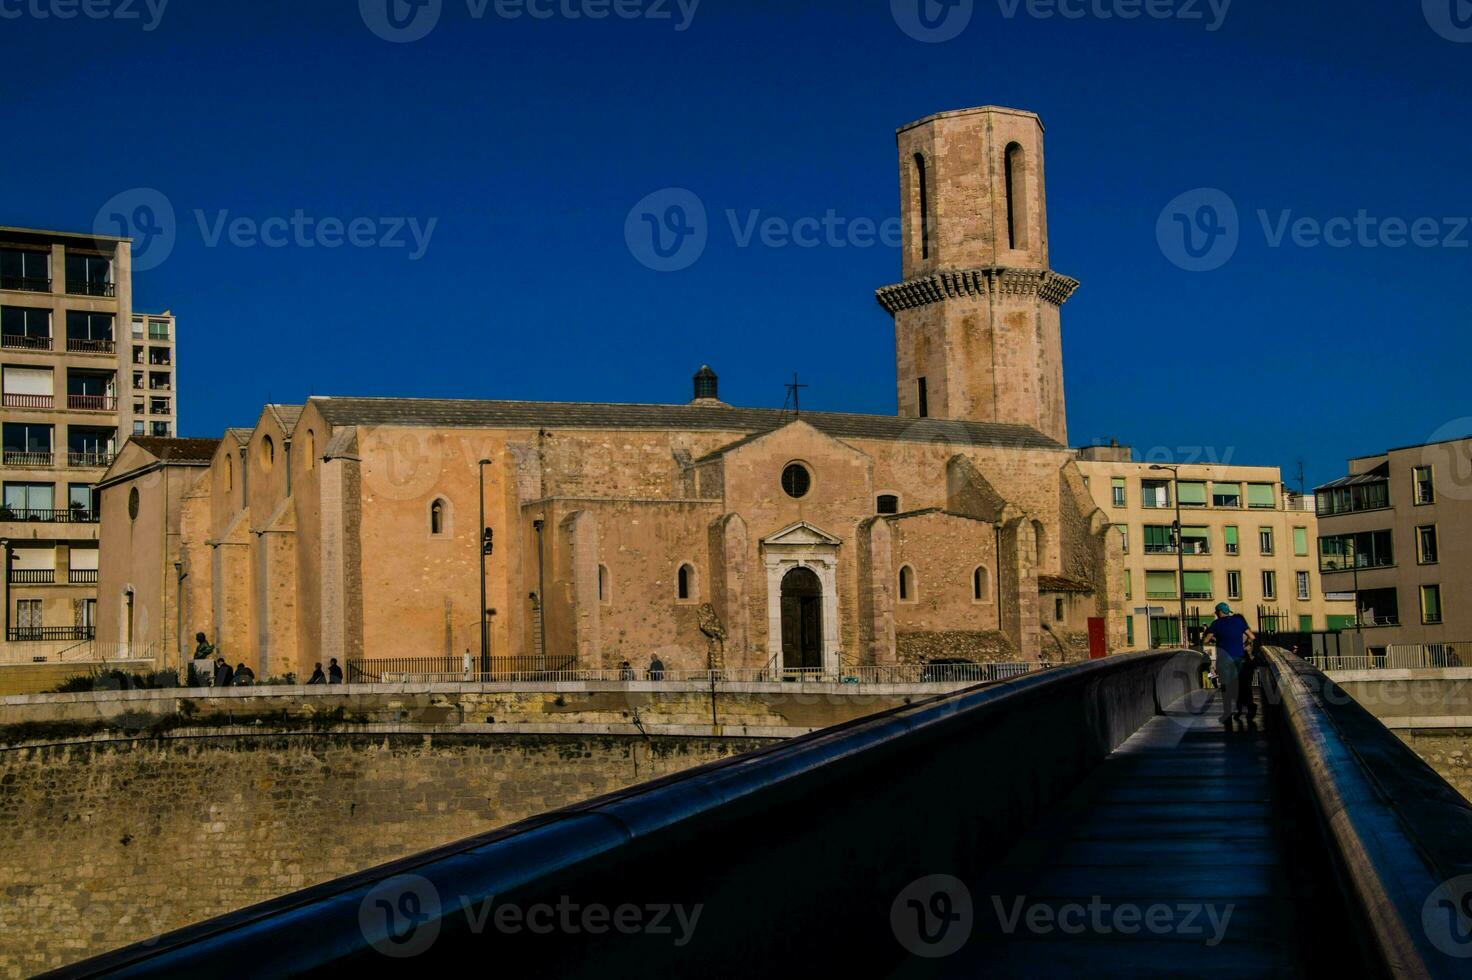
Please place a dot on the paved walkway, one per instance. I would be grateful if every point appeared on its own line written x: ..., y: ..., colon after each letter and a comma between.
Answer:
x: 1166, y: 862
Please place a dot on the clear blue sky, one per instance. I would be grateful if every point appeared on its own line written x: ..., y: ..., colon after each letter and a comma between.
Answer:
x: 530, y: 140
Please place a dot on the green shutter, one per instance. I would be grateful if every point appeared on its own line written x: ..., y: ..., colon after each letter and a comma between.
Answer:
x: 1227, y: 490
x: 1231, y: 533
x: 1300, y: 541
x: 1192, y: 494
x: 1305, y: 624
x: 1338, y: 624
x: 1129, y: 626
x: 1198, y: 584
x: 1160, y: 585
x: 1261, y: 495
x: 1129, y: 585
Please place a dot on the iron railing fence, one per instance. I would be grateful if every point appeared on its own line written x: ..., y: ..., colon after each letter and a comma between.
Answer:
x: 47, y: 515
x: 23, y: 341
x: 49, y: 634
x: 1401, y: 656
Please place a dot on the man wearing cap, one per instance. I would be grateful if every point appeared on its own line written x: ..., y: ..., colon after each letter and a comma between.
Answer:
x: 1233, y: 636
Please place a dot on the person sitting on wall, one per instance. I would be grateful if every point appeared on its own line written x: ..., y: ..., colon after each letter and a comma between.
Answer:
x: 334, y: 672
x: 317, y: 676
x: 244, y: 676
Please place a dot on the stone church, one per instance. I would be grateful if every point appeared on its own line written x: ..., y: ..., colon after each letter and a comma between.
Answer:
x: 960, y: 527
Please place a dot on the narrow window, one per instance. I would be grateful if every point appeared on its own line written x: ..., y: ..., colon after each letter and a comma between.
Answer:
x: 924, y: 188
x: 924, y: 400
x: 979, y: 590
x: 603, y: 592
x: 229, y: 473
x: 1016, y: 197
x: 437, y: 518
x: 686, y: 582
x: 1058, y: 609
x: 907, y: 584
x: 311, y: 448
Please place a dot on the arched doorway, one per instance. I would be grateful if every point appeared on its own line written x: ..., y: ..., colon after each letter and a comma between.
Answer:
x: 802, y: 620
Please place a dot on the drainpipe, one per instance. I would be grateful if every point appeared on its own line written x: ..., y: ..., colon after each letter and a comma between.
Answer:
x: 541, y: 598
x: 5, y: 573
x: 179, y: 610
x: 286, y: 448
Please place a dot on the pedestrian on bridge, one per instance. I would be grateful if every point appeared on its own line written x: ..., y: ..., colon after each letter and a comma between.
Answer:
x: 1232, y: 636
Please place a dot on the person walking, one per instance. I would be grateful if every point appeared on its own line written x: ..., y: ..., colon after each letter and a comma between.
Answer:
x: 1232, y: 635
x: 334, y: 672
x: 317, y: 676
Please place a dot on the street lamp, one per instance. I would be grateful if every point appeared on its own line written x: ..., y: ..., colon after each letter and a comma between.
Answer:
x: 485, y: 543
x: 1180, y: 543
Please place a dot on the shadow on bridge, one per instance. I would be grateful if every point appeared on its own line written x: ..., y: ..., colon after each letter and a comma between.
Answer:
x: 1094, y: 818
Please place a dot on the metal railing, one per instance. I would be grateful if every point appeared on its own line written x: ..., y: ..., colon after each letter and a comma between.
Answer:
x: 49, y: 634
x: 33, y: 576
x: 25, y: 284
x: 46, y: 515
x: 86, y: 345
x: 89, y: 461
x: 92, y: 403
x: 90, y: 287
x: 20, y: 341
x: 17, y: 457
x: 28, y: 401
x: 1401, y: 656
x: 82, y: 576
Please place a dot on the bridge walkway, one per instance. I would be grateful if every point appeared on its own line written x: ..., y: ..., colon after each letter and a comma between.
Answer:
x: 1179, y: 823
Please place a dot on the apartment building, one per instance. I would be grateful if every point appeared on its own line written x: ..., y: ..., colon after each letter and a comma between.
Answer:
x: 1244, y: 540
x: 65, y: 299
x: 1396, y: 533
x: 153, y: 367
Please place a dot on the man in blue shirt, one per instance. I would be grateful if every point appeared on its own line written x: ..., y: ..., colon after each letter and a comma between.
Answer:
x: 1233, y: 636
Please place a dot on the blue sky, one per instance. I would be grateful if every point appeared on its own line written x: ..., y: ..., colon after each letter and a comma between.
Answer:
x: 528, y: 140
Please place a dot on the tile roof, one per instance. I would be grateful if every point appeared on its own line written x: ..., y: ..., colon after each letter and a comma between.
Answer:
x: 178, y: 450
x: 586, y: 415
x: 1057, y: 583
x: 287, y: 415
x: 240, y: 434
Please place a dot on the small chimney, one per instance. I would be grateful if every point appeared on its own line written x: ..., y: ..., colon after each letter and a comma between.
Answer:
x: 707, y: 385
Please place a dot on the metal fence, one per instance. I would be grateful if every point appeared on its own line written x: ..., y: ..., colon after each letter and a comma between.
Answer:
x: 1401, y: 656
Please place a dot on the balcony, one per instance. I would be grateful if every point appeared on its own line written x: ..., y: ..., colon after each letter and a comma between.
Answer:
x: 33, y: 576
x: 25, y: 284
x: 49, y: 634
x: 39, y: 515
x: 23, y: 458
x: 86, y: 345
x: 82, y: 576
x: 90, y: 287
x: 159, y: 357
x: 17, y: 341
x: 28, y: 401
x: 89, y: 461
x: 92, y: 403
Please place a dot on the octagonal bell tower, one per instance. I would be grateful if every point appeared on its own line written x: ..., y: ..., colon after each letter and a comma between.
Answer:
x: 978, y: 333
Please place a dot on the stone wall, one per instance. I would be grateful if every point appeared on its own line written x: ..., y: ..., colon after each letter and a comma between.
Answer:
x: 1450, y: 755
x: 112, y: 842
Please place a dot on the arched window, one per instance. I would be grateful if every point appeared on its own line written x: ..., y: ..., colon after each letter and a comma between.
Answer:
x: 229, y: 473
x: 924, y: 216
x: 268, y: 452
x: 686, y: 584
x: 980, y: 589
x: 907, y: 584
x: 437, y: 518
x: 604, y: 590
x: 311, y: 445
x: 1016, y: 166
x: 887, y: 504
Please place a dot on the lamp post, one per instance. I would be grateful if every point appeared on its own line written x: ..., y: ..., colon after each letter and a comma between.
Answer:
x: 1180, y: 543
x: 484, y: 544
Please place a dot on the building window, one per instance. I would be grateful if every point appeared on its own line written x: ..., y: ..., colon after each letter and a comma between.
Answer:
x: 796, y: 481
x: 605, y: 588
x: 1300, y: 542
x: 1431, y: 605
x: 268, y: 452
x: 1305, y: 624
x: 1368, y: 549
x: 685, y: 583
x: 1261, y: 496
x: 1198, y: 585
x: 887, y: 504
x: 161, y: 430
x: 1270, y: 585
x: 1155, y: 494
x: 980, y: 589
x: 158, y: 329
x: 907, y: 584
x: 311, y: 445
x: 1227, y: 495
x: 1353, y: 499
x: 1265, y: 541
x: 1016, y: 175
x: 1129, y: 584
x: 1058, y: 609
x: 1303, y: 586
x: 138, y: 327
x: 1425, y: 485
x: 437, y: 518
x: 924, y: 399
x: 1160, y: 585
x: 1124, y: 537
x: 1428, y: 550
x: 1232, y: 539
x: 229, y: 473
x: 1196, y: 540
x: 25, y: 270
x: 1121, y: 498
x: 924, y: 188
x: 1234, y: 585
x: 1192, y: 494
x: 88, y: 275
x: 1129, y: 630
x: 28, y: 615
x: 1159, y: 540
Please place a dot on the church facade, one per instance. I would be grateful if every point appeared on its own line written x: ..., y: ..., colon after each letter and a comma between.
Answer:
x: 961, y: 527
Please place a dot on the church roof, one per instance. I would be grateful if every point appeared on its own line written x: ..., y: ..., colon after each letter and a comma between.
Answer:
x: 286, y: 415
x: 450, y: 413
x: 197, y: 451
